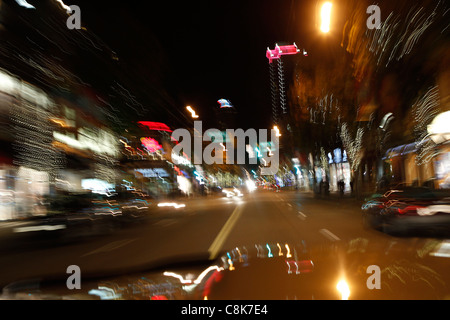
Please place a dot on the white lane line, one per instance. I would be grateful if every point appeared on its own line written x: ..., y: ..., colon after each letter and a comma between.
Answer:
x: 290, y: 205
x: 302, y: 215
x: 40, y: 228
x: 110, y: 246
x: 224, y: 232
x: 329, y: 235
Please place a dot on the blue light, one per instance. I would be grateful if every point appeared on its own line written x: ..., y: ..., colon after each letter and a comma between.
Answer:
x: 257, y: 151
x: 270, y: 255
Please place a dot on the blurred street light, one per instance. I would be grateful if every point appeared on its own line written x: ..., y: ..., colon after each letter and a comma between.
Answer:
x: 438, y: 129
x: 192, y: 111
x: 325, y: 16
x: 278, y: 134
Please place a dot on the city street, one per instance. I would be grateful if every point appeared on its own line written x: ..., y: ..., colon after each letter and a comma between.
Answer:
x: 225, y: 150
x: 204, y: 229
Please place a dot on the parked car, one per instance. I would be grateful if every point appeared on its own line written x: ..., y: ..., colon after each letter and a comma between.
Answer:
x: 408, y: 209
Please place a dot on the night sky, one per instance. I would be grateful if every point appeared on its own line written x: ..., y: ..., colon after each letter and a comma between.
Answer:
x: 197, y: 52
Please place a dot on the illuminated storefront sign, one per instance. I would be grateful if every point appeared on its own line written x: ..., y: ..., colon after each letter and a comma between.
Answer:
x: 224, y: 103
x: 339, y: 156
x: 158, y: 126
x: 96, y: 140
x: 152, y: 173
x: 150, y: 144
x: 97, y: 186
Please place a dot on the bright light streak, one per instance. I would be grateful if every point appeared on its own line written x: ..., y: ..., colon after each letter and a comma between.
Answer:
x: 278, y: 134
x: 231, y: 267
x: 270, y: 255
x: 176, y: 275
x: 171, y: 204
x: 192, y: 111
x: 343, y: 289
x: 40, y: 228
x: 288, y: 254
x: 439, y: 128
x: 64, y: 6
x: 125, y: 144
x: 251, y: 186
x: 280, y: 252
x: 325, y: 15
x: 442, y: 250
x: 24, y: 4
x: 205, y: 272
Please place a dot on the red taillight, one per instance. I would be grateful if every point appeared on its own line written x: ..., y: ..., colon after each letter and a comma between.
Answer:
x: 408, y: 208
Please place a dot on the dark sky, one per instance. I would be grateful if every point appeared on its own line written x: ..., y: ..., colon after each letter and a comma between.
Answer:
x: 202, y: 51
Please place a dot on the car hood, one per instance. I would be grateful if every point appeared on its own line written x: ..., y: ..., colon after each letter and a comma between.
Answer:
x: 358, y: 269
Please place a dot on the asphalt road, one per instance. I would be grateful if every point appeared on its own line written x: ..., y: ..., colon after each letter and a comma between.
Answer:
x: 204, y: 229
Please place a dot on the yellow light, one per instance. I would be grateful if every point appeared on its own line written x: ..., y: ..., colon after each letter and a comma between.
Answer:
x: 280, y: 253
x: 343, y: 289
x: 278, y: 134
x: 231, y: 268
x: 325, y: 15
x: 61, y: 122
x: 288, y: 254
x: 192, y: 111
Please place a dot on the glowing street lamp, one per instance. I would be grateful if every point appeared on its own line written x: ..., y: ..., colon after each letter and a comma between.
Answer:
x: 278, y: 134
x: 192, y: 111
x: 325, y: 16
x: 438, y: 129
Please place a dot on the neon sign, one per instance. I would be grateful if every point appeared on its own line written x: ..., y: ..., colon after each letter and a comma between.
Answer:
x: 152, y: 173
x: 224, y: 103
x: 150, y: 144
x: 96, y: 140
x: 281, y: 50
x: 158, y: 126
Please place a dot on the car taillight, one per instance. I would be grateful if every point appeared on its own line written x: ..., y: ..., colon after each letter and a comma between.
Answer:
x: 408, y: 208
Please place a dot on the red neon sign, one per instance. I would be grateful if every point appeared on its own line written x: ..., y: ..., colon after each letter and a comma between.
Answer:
x: 151, y: 144
x: 159, y: 126
x: 280, y: 51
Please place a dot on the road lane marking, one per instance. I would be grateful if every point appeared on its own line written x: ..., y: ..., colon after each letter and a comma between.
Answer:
x: 110, y: 246
x: 302, y: 215
x: 224, y: 232
x: 40, y: 228
x: 329, y: 235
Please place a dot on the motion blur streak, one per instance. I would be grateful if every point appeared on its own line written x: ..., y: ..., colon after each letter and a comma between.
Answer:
x: 120, y: 148
x: 325, y: 15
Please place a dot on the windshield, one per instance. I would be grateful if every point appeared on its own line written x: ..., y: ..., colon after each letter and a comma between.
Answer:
x: 216, y: 144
